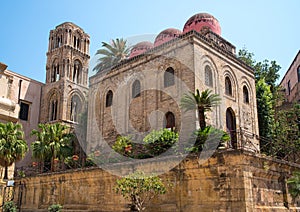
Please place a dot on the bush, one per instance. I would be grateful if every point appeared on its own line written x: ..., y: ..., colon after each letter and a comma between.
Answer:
x: 208, y: 138
x: 123, y: 145
x: 159, y: 141
x: 140, y: 188
x: 55, y: 208
x: 9, y: 207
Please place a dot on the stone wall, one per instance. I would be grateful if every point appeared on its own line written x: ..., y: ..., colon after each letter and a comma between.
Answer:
x: 227, y: 181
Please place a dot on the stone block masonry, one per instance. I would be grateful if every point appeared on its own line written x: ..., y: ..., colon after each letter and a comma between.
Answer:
x: 228, y: 181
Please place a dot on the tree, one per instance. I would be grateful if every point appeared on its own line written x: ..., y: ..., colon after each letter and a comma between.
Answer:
x: 201, y: 102
x: 53, y: 140
x: 40, y: 148
x: 12, y: 145
x: 112, y: 54
x: 286, y: 142
x: 265, y: 109
x: 294, y: 185
x: 140, y: 189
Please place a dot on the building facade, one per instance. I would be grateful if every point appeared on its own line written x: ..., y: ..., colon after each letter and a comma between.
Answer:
x: 143, y: 92
x: 19, y: 102
x: 291, y: 81
x: 63, y: 96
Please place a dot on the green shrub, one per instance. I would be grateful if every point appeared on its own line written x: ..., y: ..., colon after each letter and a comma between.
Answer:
x: 208, y: 138
x: 159, y: 141
x: 123, y: 145
x: 9, y: 207
x: 55, y: 208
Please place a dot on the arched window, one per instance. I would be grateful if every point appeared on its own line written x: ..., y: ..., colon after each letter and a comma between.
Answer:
x: 75, y: 108
x: 231, y: 127
x: 228, y: 86
x: 109, y: 98
x: 55, y: 75
x: 53, y: 108
x: 77, y: 69
x: 136, y: 89
x: 169, y: 78
x: 245, y: 95
x: 170, y: 121
x: 208, y: 76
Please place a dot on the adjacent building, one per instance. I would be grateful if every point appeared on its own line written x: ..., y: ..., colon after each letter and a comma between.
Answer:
x: 291, y: 81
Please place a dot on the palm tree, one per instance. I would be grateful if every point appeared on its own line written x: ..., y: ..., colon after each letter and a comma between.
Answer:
x: 201, y: 102
x: 40, y: 147
x: 12, y: 145
x: 59, y: 138
x: 52, y: 140
x: 112, y: 54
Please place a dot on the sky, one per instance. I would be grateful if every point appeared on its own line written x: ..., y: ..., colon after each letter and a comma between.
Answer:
x: 268, y: 28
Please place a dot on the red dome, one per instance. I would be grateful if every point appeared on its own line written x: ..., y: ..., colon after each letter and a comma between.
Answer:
x: 140, y: 48
x: 202, y: 21
x: 166, y: 35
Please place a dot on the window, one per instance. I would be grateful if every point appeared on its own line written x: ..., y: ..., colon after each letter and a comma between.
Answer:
x: 170, y: 121
x: 289, y: 87
x: 77, y: 69
x: 246, y: 95
x: 208, y: 76
x: 24, y: 111
x: 169, y: 78
x: 109, y: 98
x: 228, y: 86
x: 53, y: 110
x: 55, y: 75
x: 75, y: 108
x: 298, y: 71
x: 136, y: 89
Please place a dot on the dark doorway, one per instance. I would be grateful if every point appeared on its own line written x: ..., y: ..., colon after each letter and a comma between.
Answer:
x: 231, y: 127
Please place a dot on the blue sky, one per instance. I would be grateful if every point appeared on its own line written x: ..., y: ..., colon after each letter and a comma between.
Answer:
x: 270, y: 29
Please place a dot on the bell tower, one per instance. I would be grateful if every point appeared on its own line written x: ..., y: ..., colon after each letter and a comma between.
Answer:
x: 64, y: 94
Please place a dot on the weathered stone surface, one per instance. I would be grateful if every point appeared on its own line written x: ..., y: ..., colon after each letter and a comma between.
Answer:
x: 242, y: 182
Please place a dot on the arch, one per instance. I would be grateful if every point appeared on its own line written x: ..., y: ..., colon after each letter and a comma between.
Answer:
x: 208, y: 76
x: 55, y: 71
x: 53, y: 105
x: 231, y: 127
x: 109, y: 99
x: 136, y: 89
x: 246, y: 98
x: 75, y: 107
x: 169, y: 78
x: 170, y: 121
x: 77, y: 71
x: 228, y: 86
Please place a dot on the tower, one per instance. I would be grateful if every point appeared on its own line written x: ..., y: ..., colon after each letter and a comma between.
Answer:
x: 65, y: 91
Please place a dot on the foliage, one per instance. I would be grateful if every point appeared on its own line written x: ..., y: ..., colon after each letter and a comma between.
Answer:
x: 201, y: 102
x: 286, y: 142
x: 159, y: 141
x: 55, y: 208
x: 9, y: 207
x: 123, y: 145
x: 112, y: 54
x: 139, y: 189
x: 265, y: 109
x: 52, y: 141
x: 269, y: 70
x: 12, y: 145
x: 294, y: 185
x: 208, y: 138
